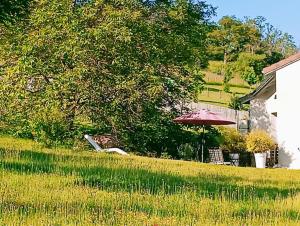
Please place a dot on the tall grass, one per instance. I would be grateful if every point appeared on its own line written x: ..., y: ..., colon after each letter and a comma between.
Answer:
x: 41, y: 186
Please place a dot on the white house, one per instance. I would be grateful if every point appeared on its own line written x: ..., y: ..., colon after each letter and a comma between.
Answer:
x: 275, y: 108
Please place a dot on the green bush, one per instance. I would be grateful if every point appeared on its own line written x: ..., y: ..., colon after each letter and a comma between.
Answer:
x: 165, y: 155
x: 212, y: 137
x: 51, y: 128
x: 226, y: 87
x: 232, y: 140
x: 186, y: 152
x: 235, y: 103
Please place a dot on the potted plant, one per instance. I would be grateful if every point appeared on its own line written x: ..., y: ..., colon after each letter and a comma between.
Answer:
x: 259, y: 142
x: 233, y: 142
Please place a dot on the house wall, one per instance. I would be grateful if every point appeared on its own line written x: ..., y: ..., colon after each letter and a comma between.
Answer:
x: 261, y: 109
x: 288, y: 116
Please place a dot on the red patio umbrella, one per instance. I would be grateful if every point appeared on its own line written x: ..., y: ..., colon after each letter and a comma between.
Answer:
x: 203, y: 118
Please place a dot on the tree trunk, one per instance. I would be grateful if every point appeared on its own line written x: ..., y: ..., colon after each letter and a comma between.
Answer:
x: 224, y: 62
x: 225, y: 58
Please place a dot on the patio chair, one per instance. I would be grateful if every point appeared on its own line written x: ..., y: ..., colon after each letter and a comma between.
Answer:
x: 272, y: 158
x: 106, y: 141
x: 99, y: 149
x: 216, y: 157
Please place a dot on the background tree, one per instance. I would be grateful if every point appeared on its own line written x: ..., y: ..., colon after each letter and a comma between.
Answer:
x: 250, y: 67
x: 228, y: 75
x: 274, y: 42
x: 249, y: 44
x: 232, y: 36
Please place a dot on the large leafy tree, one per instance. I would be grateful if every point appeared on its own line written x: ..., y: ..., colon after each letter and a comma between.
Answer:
x: 249, y: 45
x: 122, y: 65
x: 250, y: 67
x: 232, y: 36
x: 273, y: 40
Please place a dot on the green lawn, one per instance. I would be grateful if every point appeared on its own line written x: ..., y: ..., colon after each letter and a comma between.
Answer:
x: 41, y: 186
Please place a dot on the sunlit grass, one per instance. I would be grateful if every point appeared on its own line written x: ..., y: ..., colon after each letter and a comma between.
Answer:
x: 213, y: 92
x: 40, y: 186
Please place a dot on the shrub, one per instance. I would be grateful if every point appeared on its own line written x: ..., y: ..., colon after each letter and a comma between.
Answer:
x: 51, y: 128
x: 165, y: 155
x: 259, y: 141
x: 235, y: 103
x: 213, y: 137
x: 186, y: 151
x: 226, y: 88
x: 232, y: 140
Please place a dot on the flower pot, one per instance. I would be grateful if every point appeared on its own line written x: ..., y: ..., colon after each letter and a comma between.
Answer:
x: 260, y: 160
x: 234, y: 158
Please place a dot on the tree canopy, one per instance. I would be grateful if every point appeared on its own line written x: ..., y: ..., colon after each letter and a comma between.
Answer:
x: 247, y: 46
x: 122, y: 66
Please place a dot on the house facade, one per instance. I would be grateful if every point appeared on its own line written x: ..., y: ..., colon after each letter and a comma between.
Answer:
x: 275, y: 108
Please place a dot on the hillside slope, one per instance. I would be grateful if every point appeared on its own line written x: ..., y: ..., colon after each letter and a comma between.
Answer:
x: 41, y: 186
x: 214, y: 93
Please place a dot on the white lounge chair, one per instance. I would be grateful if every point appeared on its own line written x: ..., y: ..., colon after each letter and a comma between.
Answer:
x: 99, y: 149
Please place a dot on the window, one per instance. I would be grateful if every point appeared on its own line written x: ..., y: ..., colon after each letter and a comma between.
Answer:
x: 274, y: 113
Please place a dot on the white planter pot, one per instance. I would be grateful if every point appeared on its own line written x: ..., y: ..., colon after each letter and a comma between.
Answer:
x: 260, y: 160
x: 235, y: 158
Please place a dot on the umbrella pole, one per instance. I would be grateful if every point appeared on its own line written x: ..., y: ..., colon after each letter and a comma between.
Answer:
x: 202, y: 145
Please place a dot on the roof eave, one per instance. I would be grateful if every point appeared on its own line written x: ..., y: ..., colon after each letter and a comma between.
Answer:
x: 281, y: 64
x: 270, y: 73
x: 247, y: 98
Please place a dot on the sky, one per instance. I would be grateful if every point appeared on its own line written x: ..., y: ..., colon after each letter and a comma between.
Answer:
x: 282, y: 14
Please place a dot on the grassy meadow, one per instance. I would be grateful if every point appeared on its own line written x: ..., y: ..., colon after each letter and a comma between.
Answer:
x: 213, y: 92
x: 40, y: 186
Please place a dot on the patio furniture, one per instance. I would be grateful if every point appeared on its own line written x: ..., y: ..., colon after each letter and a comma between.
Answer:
x: 272, y: 158
x: 106, y: 141
x: 203, y: 118
x: 99, y: 149
x: 234, y: 159
x: 216, y: 157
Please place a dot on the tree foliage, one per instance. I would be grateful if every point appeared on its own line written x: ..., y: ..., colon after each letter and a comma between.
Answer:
x: 123, y: 66
x: 235, y: 103
x: 11, y: 10
x: 232, y: 36
x: 274, y: 40
x: 250, y: 44
x: 250, y: 67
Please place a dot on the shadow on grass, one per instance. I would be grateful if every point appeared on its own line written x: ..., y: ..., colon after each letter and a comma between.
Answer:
x: 35, y: 156
x: 142, y: 180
